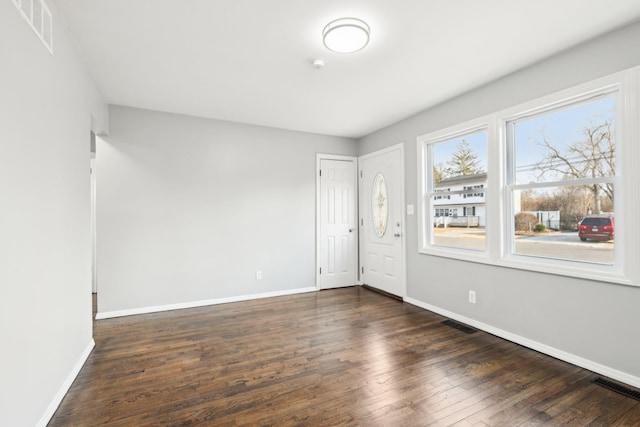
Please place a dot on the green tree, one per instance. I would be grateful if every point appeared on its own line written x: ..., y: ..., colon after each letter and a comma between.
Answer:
x: 438, y: 173
x: 464, y: 161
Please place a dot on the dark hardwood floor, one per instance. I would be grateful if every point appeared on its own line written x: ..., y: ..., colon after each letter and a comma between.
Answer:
x: 338, y: 357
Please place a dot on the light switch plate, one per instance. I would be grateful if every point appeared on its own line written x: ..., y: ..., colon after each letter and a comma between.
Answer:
x: 411, y: 210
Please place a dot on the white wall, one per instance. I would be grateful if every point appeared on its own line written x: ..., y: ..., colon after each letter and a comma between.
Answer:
x: 189, y: 209
x: 592, y: 322
x: 46, y: 103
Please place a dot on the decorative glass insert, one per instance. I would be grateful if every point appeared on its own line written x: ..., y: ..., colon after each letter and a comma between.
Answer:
x: 379, y: 205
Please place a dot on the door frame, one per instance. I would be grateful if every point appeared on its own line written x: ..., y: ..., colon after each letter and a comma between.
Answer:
x: 403, y: 214
x: 356, y: 246
x: 94, y: 259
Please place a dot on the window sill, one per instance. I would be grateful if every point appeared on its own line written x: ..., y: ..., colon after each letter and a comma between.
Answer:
x: 572, y: 269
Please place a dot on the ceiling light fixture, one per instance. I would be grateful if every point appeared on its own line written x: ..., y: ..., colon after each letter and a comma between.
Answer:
x: 346, y: 35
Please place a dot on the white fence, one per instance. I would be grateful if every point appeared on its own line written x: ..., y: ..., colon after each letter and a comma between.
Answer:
x: 550, y: 219
x: 456, y: 221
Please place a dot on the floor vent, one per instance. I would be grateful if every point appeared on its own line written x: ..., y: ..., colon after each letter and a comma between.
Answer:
x: 459, y: 326
x: 625, y: 391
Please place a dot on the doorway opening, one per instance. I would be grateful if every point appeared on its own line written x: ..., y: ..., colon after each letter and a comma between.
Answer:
x: 92, y: 175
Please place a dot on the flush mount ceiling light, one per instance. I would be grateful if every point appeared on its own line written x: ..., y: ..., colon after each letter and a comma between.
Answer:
x: 345, y: 35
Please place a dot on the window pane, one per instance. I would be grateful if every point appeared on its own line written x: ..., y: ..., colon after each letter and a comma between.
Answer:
x: 460, y: 181
x: 459, y: 226
x: 559, y: 222
x: 462, y: 156
x: 572, y: 143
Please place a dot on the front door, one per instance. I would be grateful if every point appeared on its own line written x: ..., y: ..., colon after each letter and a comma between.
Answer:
x: 381, y: 220
x: 337, y: 220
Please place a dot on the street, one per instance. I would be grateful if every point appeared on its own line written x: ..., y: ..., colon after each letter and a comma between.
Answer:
x: 564, y: 245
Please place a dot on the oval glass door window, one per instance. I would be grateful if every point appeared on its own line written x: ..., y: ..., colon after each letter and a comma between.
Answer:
x: 379, y: 205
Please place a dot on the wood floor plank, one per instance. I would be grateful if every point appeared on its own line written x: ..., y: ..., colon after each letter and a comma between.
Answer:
x: 343, y: 357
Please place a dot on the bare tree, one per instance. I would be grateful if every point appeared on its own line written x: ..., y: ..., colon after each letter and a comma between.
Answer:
x: 572, y: 202
x: 525, y: 222
x: 592, y: 157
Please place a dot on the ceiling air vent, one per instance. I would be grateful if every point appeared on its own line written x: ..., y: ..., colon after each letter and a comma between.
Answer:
x: 38, y: 15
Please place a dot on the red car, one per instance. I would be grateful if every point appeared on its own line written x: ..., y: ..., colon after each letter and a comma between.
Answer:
x: 596, y: 227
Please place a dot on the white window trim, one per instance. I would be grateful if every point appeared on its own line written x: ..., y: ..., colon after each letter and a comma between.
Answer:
x: 425, y: 204
x: 626, y: 270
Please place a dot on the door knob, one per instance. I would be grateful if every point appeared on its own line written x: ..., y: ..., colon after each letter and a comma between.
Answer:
x: 351, y: 230
x: 396, y: 235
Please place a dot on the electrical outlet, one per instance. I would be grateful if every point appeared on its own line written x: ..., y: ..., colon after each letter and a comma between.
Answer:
x: 258, y: 275
x: 472, y: 297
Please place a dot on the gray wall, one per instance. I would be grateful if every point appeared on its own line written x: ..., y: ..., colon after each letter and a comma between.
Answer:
x: 46, y: 108
x: 189, y: 209
x: 588, y: 319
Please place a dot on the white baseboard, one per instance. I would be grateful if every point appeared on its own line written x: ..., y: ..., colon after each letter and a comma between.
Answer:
x: 53, y: 406
x: 526, y: 342
x: 192, y: 304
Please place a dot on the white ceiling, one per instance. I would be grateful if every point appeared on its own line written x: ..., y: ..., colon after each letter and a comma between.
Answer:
x: 250, y: 61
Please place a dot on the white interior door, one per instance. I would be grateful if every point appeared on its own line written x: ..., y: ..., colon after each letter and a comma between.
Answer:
x: 337, y: 220
x: 381, y: 220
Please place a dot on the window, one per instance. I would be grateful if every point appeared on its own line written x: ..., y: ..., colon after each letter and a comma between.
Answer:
x: 442, y: 191
x: 472, y: 194
x: 563, y: 162
x: 549, y: 185
x: 39, y: 18
x: 458, y: 168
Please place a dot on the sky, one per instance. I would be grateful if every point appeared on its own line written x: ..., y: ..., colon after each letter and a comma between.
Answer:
x: 443, y: 151
x: 561, y: 127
